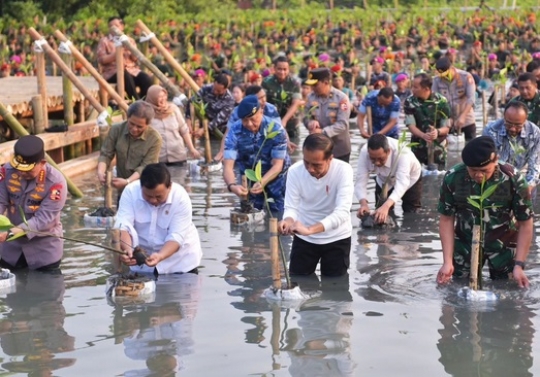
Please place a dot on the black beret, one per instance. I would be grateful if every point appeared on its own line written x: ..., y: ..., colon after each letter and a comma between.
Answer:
x: 248, y: 106
x: 479, y: 152
x: 28, y: 151
x: 443, y: 64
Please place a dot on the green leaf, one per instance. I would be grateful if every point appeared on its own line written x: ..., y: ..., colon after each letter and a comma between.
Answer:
x: 473, y: 203
x: 5, y: 223
x: 272, y: 135
x: 488, y: 192
x: 258, y: 171
x: 283, y: 95
x: 251, y: 175
x: 15, y: 236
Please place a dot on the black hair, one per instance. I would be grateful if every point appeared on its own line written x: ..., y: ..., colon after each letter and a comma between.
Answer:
x: 386, y: 92
x: 425, y: 80
x: 527, y: 76
x: 253, y: 89
x: 532, y: 65
x: 517, y: 105
x: 154, y: 175
x: 377, y: 141
x: 281, y: 59
x: 222, y: 79
x: 115, y: 18
x: 319, y: 142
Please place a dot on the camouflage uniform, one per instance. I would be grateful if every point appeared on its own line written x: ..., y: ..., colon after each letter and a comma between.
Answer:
x: 423, y: 114
x: 534, y: 107
x: 282, y: 95
x: 510, y: 202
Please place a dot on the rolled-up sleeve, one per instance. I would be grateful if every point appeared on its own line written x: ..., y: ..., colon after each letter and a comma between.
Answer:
x: 108, y: 149
x: 403, y: 178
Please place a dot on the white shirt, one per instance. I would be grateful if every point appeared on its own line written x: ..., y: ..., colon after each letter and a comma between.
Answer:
x: 327, y: 200
x: 407, y: 173
x: 152, y: 226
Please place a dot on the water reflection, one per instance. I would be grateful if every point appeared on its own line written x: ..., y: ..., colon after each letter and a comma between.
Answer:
x: 32, y: 328
x: 494, y: 342
x: 160, y: 333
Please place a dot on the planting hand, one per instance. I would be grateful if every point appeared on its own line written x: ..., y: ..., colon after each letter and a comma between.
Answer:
x: 430, y: 135
x: 119, y: 183
x: 520, y: 277
x: 257, y: 188
x: 381, y: 213
x: 445, y: 273
x: 312, y: 126
x: 363, y: 210
x: 285, y: 226
x: 239, y: 190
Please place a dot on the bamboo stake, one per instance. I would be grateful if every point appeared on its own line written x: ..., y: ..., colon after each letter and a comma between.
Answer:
x: 168, y: 57
x: 475, y: 255
x: 276, y: 271
x: 37, y: 109
x: 42, y: 87
x: 207, y: 146
x: 144, y: 60
x: 369, y: 120
x: 244, y: 185
x: 120, y: 79
x: 56, y: 59
x: 14, y: 124
x: 67, y: 92
x: 103, y: 84
x: 115, y: 244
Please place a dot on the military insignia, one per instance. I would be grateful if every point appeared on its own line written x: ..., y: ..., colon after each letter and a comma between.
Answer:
x: 56, y: 192
x: 15, y: 176
x: 343, y: 106
x: 13, y: 189
x: 254, y: 110
x: 36, y: 196
x: 310, y: 76
x: 33, y: 208
x: 41, y: 176
x: 40, y: 188
x: 14, y: 182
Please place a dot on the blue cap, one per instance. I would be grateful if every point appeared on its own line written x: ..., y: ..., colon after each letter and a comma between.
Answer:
x: 248, y: 107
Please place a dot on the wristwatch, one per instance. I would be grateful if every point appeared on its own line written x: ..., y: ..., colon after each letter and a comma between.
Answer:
x: 520, y: 264
x: 9, y: 234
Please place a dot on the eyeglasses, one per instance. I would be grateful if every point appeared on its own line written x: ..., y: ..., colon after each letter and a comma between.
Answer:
x: 510, y: 125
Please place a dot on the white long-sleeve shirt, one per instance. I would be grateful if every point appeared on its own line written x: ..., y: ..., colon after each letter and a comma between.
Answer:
x: 151, y: 227
x: 327, y: 200
x: 407, y: 174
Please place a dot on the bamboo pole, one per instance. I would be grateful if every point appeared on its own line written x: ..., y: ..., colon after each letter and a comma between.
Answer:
x: 14, y: 124
x: 168, y: 57
x: 144, y: 60
x: 475, y: 255
x: 56, y: 59
x: 207, y: 146
x: 244, y: 185
x: 103, y: 84
x: 120, y: 79
x: 67, y: 92
x: 369, y: 120
x: 42, y: 87
x: 39, y: 120
x: 274, y: 250
x: 115, y: 244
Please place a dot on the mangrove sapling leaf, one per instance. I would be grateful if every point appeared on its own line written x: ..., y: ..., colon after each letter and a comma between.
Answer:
x: 272, y: 135
x: 5, y: 224
x: 488, y: 192
x: 474, y: 203
x: 250, y: 174
x: 258, y: 171
x: 15, y: 236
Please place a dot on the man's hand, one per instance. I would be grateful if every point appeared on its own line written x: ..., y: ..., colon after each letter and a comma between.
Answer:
x: 520, y: 277
x: 285, y: 226
x: 198, y: 133
x: 363, y: 211
x: 128, y: 259
x: 431, y: 135
x: 195, y: 154
x: 119, y: 183
x: 299, y: 228
x: 291, y: 146
x: 239, y: 190
x: 153, y: 259
x: 381, y: 214
x: 313, y: 125
x: 102, y: 177
x: 445, y: 273
x: 458, y: 123
x: 257, y: 188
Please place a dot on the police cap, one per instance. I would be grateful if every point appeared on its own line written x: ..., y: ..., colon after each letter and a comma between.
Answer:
x: 28, y: 151
x: 317, y: 74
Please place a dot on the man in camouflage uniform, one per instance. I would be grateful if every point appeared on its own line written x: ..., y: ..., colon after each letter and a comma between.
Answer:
x: 528, y: 94
x: 283, y: 92
x: 517, y: 141
x: 508, y: 215
x: 327, y: 111
x: 458, y: 87
x: 426, y: 116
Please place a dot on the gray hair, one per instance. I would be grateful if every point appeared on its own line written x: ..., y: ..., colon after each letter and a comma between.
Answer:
x: 141, y: 109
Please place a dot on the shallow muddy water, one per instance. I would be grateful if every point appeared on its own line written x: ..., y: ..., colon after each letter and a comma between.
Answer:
x: 386, y: 318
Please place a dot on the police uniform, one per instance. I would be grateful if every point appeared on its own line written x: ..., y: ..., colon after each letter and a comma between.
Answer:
x: 332, y: 113
x: 459, y: 92
x: 41, y: 199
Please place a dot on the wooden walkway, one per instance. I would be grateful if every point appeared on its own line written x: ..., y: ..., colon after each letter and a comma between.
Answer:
x: 17, y: 93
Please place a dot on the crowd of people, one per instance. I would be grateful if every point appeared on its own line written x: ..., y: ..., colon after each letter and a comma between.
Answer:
x: 259, y: 105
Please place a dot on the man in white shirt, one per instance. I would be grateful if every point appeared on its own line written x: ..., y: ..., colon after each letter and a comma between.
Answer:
x: 397, y: 168
x: 318, y: 200
x: 155, y: 214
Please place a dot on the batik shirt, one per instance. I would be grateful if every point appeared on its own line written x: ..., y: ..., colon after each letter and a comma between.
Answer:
x: 244, y: 147
x: 434, y: 112
x: 218, y: 108
x: 380, y: 115
x: 522, y: 151
x: 510, y: 202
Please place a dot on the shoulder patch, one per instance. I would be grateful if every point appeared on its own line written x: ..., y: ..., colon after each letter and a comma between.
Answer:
x: 343, y: 105
x: 56, y: 192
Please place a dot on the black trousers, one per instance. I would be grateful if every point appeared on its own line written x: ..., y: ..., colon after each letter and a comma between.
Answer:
x: 142, y: 80
x: 411, y: 199
x: 334, y: 257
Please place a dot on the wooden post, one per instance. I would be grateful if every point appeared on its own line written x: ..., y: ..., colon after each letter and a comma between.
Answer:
x: 37, y: 109
x: 484, y: 108
x: 115, y: 244
x: 103, y: 85
x: 168, y: 57
x: 42, y: 86
x: 503, y: 93
x: 144, y: 51
x: 475, y: 262
x: 244, y: 185
x: 21, y: 131
x: 120, y: 82
x: 276, y: 271
x: 67, y: 92
x: 108, y: 189
x: 103, y: 97
x: 369, y: 120
x: 207, y: 146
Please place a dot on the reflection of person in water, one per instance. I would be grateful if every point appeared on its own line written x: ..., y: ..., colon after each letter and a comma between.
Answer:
x: 320, y: 345
x: 161, y: 333
x: 32, y: 332
x: 497, y: 342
